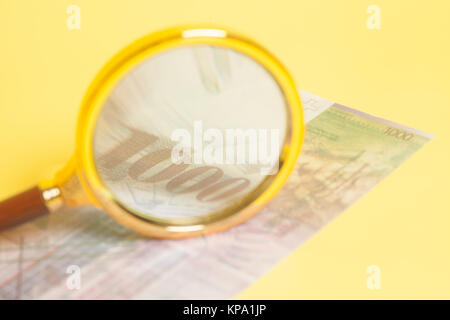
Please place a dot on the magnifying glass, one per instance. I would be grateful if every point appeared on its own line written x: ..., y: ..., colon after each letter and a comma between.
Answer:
x: 185, y: 132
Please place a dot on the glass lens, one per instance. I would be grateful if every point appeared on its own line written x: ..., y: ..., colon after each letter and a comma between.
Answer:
x: 190, y: 132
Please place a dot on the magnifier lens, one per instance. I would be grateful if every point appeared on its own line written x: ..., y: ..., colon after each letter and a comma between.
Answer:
x: 191, y: 132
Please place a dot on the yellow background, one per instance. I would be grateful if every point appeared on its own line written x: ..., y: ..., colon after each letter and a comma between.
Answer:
x: 400, y: 72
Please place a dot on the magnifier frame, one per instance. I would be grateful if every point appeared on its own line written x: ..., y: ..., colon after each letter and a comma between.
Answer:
x: 80, y: 182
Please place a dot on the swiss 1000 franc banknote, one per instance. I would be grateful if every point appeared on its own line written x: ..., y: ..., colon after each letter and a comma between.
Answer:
x: 84, y: 254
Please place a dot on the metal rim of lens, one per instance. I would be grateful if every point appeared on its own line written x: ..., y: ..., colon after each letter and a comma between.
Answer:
x: 130, y: 57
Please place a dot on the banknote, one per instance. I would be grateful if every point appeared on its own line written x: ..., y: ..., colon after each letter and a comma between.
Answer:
x: 345, y: 154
